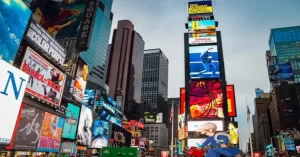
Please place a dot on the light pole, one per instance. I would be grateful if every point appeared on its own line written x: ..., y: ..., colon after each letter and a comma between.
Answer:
x: 172, y: 132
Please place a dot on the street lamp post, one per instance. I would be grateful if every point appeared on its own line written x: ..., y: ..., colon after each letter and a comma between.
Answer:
x: 172, y: 132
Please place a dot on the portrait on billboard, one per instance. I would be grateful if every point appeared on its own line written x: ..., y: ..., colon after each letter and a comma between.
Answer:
x: 71, y: 122
x: 281, y: 72
x: 51, y: 133
x: 231, y: 106
x: 28, y: 132
x: 100, y: 134
x: 200, y: 7
x: 204, y: 62
x: 14, y: 17
x: 84, y: 133
x: 206, y: 99
x: 45, y: 81
x: 80, y: 80
x: 61, y: 18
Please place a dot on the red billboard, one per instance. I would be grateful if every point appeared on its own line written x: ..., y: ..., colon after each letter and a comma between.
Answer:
x: 182, y: 100
x: 206, y: 99
x: 231, y: 101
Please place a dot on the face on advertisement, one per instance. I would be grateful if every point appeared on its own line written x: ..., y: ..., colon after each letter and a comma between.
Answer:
x: 84, y: 129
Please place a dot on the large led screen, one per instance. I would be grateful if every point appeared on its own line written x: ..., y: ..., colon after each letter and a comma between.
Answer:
x: 206, y: 99
x: 84, y: 133
x: 71, y: 122
x: 14, y: 16
x: 204, y: 27
x: 195, y: 125
x: 80, y: 80
x: 204, y: 62
x: 281, y: 72
x: 45, y: 82
x: 100, y: 134
x: 233, y: 132
x: 200, y: 7
x: 195, y: 39
x: 195, y: 142
x: 89, y: 98
x: 231, y: 106
x: 182, y: 128
x: 182, y: 100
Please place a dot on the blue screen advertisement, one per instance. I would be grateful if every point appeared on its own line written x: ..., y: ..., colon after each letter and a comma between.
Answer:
x: 101, y: 132
x: 71, y: 122
x: 204, y: 62
x: 14, y: 17
x: 289, y: 144
x: 281, y: 72
x: 89, y: 98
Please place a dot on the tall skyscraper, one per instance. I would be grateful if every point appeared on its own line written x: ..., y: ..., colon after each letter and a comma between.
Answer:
x: 125, y: 66
x: 155, y: 82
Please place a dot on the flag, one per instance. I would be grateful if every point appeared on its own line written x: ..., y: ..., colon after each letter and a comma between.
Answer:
x: 248, y: 114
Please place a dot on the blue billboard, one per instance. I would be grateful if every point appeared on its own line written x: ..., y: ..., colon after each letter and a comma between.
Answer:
x: 89, y: 97
x: 101, y: 132
x: 289, y: 144
x: 14, y: 17
x: 204, y: 62
x: 71, y: 122
x: 280, y: 72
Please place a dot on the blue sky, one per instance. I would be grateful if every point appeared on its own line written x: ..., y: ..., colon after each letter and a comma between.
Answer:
x: 245, y: 27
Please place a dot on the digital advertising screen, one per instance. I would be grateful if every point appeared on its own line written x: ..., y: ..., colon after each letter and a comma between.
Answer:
x: 71, y: 122
x: 13, y: 84
x: 80, y: 80
x: 289, y: 144
x: 206, y: 99
x: 50, y: 137
x: 231, y: 101
x: 233, y: 132
x: 202, y: 27
x: 14, y: 17
x: 200, y: 7
x: 84, y: 132
x: 195, y: 142
x: 204, y: 62
x: 195, y: 39
x: 182, y: 100
x: 101, y: 134
x: 45, y: 81
x: 153, y: 117
x: 29, y: 128
x: 182, y: 128
x: 89, y: 98
x: 195, y: 125
x: 280, y: 72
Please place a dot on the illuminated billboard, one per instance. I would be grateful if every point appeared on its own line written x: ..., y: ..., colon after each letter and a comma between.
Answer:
x: 182, y: 100
x: 197, y: 142
x: 101, y: 134
x: 200, y: 7
x: 153, y: 118
x: 71, y: 122
x: 206, y: 99
x: 202, y: 38
x: 204, y: 62
x: 280, y: 72
x: 80, y: 79
x: 182, y: 128
x: 233, y: 132
x: 231, y: 101
x: 84, y: 131
x: 195, y: 125
x: 14, y: 16
x: 202, y: 27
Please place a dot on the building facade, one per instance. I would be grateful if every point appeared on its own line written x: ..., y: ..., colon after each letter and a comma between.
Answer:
x: 158, y: 134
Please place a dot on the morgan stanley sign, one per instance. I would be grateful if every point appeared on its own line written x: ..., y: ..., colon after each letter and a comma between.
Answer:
x: 12, y: 88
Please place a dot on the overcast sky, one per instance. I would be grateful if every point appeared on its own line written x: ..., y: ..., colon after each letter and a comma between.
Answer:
x: 245, y: 27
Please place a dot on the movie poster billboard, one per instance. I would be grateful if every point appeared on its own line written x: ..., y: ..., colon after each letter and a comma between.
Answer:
x: 206, y: 99
x: 280, y: 72
x: 45, y: 81
x: 29, y: 128
x: 12, y: 86
x: 200, y: 7
x: 231, y: 101
x: 204, y: 62
x: 182, y: 100
x: 80, y: 80
x: 101, y: 134
x: 14, y: 17
x: 84, y: 132
x: 71, y: 122
x: 51, y: 132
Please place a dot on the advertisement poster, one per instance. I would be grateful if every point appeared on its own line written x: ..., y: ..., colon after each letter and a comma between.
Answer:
x: 195, y: 125
x: 231, y: 101
x: 204, y: 62
x: 45, y: 81
x: 182, y: 132
x: 101, y: 133
x: 12, y: 86
x: 195, y: 142
x: 233, y: 132
x: 200, y: 7
x: 28, y: 132
x: 153, y: 118
x: 289, y: 144
x: 61, y: 19
x: 206, y: 99
x: 84, y: 132
x: 182, y: 100
x: 280, y: 72
x: 164, y: 154
x: 51, y: 133
x: 71, y: 122
x: 80, y: 80
x: 14, y: 17
x: 195, y: 39
x: 89, y: 98
x: 202, y: 27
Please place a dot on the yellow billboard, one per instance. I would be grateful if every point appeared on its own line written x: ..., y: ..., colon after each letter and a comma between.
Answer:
x: 200, y: 7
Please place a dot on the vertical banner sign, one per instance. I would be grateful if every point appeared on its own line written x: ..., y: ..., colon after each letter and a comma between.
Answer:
x: 182, y: 100
x: 12, y: 88
x: 51, y: 133
x: 80, y: 80
x: 231, y: 101
x: 85, y: 32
